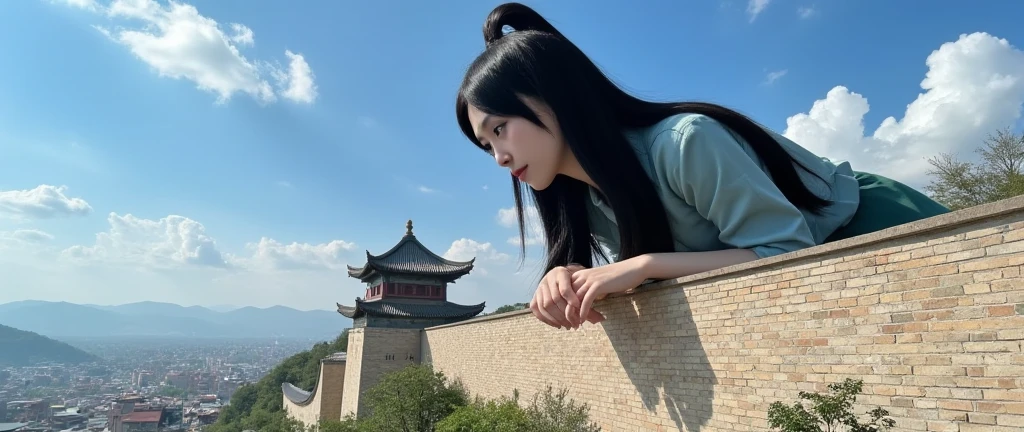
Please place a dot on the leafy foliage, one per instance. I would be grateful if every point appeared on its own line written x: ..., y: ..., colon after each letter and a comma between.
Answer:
x: 999, y: 175
x: 831, y: 410
x: 504, y: 414
x: 258, y: 406
x: 554, y: 412
x: 548, y: 412
x: 509, y: 308
x: 412, y: 399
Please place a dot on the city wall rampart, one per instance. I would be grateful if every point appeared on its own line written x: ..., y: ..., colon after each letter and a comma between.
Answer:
x: 930, y: 315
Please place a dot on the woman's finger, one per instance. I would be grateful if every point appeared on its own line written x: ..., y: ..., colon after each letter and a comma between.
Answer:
x: 556, y: 305
x: 549, y: 307
x: 538, y: 307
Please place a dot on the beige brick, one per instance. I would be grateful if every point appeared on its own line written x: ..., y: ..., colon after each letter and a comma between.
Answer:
x: 943, y: 426
x: 1010, y: 420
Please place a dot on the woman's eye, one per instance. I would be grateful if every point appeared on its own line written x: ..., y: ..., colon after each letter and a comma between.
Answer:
x: 488, y: 148
x: 498, y: 129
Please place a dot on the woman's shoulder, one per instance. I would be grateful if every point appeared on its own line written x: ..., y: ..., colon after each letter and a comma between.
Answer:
x: 684, y: 132
x: 685, y: 135
x: 682, y: 124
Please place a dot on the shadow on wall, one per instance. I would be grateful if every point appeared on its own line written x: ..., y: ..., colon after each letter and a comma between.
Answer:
x: 663, y: 365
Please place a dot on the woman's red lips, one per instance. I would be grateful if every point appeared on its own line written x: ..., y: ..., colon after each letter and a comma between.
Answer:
x: 519, y: 172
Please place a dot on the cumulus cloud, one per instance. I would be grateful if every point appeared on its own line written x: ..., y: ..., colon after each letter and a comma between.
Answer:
x: 973, y: 86
x: 180, y: 43
x: 270, y: 254
x: 42, y: 202
x: 465, y: 249
x: 534, y: 227
x: 297, y: 82
x: 176, y: 241
x: 167, y: 242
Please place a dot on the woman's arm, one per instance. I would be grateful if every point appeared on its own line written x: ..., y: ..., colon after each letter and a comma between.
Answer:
x: 678, y: 264
x: 595, y: 283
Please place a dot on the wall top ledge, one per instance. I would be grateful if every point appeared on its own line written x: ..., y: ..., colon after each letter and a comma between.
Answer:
x: 946, y: 222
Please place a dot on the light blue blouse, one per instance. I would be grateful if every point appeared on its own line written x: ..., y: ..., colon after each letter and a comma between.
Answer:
x: 717, y: 194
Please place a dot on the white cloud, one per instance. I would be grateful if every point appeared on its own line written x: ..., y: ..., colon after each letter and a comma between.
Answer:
x: 42, y: 202
x: 806, y: 12
x: 775, y: 76
x: 177, y: 241
x: 25, y: 236
x: 425, y: 189
x: 243, y: 35
x: 269, y: 254
x: 81, y: 4
x: 534, y: 228
x: 755, y: 7
x: 180, y: 43
x: 465, y: 249
x: 298, y: 81
x: 168, y: 242
x: 973, y: 86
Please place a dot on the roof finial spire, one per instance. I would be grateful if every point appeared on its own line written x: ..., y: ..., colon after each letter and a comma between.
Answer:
x: 408, y: 228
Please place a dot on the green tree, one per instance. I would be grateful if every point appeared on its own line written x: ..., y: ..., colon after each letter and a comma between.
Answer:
x: 510, y: 308
x: 550, y: 411
x: 348, y: 424
x: 998, y: 175
x: 412, y: 399
x: 831, y: 410
x: 503, y: 415
x: 554, y: 412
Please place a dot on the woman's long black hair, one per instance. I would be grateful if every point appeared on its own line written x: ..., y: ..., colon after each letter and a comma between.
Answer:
x: 537, y: 61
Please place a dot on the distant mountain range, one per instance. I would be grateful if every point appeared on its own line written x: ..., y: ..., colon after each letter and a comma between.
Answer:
x: 149, y: 319
x: 22, y: 348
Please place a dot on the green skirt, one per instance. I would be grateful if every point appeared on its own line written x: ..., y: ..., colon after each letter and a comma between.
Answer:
x: 886, y: 203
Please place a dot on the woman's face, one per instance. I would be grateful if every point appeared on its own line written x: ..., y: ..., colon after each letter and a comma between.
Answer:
x: 529, y: 152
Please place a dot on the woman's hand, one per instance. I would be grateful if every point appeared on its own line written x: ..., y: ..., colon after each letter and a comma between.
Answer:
x: 596, y: 283
x: 556, y: 303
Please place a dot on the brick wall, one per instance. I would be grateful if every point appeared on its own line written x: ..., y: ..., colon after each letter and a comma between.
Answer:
x: 373, y: 352
x: 930, y: 315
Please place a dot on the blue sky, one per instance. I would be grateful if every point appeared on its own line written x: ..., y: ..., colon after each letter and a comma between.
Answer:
x: 252, y: 177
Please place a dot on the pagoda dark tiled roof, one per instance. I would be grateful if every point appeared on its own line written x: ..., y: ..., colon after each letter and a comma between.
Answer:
x: 410, y: 256
x: 400, y: 309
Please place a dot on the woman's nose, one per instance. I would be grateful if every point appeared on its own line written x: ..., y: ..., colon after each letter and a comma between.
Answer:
x: 504, y: 159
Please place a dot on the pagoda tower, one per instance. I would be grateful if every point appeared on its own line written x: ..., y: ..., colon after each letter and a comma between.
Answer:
x: 406, y: 291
